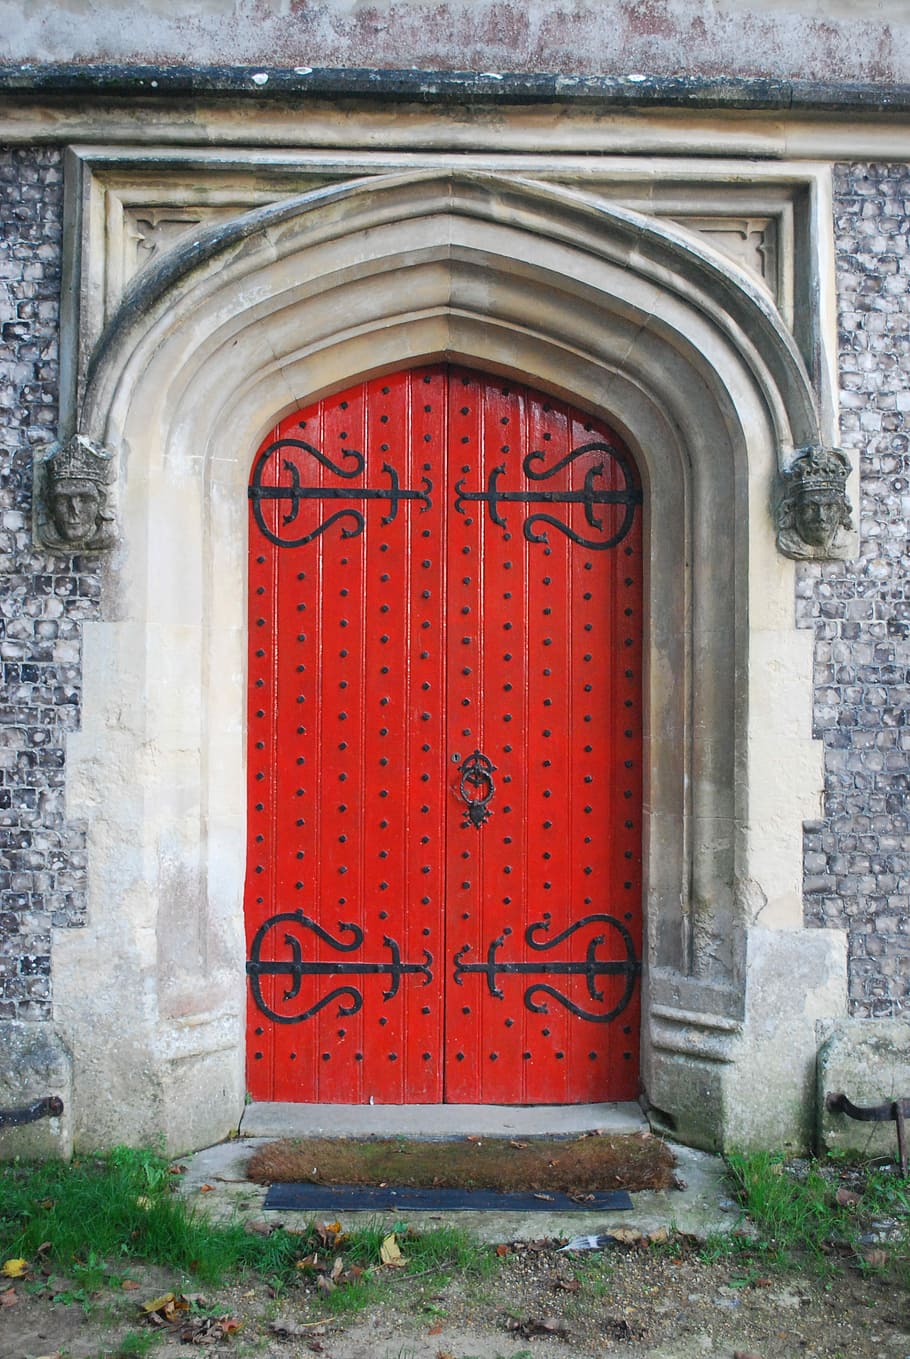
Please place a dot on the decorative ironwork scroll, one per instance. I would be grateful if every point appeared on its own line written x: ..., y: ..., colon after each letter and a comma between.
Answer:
x: 296, y: 967
x: 590, y: 967
x: 477, y: 773
x: 590, y: 495
x: 296, y: 494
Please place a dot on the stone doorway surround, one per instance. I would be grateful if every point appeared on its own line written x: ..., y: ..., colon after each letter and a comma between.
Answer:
x: 183, y: 367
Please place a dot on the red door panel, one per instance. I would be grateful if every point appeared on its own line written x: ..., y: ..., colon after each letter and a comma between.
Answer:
x: 443, y: 887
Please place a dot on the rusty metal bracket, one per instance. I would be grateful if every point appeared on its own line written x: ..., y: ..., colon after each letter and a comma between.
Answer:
x: 49, y: 1107
x: 895, y: 1110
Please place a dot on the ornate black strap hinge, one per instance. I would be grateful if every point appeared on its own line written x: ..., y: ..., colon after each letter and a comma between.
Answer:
x: 296, y: 967
x: 295, y: 494
x: 591, y: 967
x: 590, y: 495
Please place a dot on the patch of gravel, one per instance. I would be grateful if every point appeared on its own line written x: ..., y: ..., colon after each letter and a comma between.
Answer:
x: 664, y: 1302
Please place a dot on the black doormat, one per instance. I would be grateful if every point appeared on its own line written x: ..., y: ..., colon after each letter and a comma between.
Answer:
x: 329, y: 1198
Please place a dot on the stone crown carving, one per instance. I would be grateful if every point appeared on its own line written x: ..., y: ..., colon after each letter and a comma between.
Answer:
x: 74, y: 496
x: 812, y: 508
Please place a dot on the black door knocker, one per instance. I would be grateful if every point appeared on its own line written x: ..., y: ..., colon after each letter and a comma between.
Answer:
x: 476, y: 787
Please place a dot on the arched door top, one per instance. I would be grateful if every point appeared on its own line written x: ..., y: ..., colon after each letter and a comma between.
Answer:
x: 434, y: 240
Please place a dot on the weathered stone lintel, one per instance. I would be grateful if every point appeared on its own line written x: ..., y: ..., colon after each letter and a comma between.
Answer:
x: 62, y: 80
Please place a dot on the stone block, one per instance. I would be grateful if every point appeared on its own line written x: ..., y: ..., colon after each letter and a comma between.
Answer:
x: 868, y: 1060
x: 794, y: 980
x: 34, y: 1063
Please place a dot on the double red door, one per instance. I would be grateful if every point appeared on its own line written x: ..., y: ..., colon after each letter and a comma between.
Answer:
x: 444, y: 749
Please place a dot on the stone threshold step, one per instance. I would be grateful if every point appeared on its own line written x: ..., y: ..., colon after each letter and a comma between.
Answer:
x: 438, y: 1120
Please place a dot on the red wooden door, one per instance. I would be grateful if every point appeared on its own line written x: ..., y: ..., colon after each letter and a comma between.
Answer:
x: 444, y: 749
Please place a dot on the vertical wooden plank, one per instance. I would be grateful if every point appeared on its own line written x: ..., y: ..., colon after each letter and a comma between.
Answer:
x: 465, y: 844
x: 423, y: 745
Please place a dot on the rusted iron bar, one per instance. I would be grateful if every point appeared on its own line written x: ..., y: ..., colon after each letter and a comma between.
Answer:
x: 895, y: 1111
x: 50, y: 1107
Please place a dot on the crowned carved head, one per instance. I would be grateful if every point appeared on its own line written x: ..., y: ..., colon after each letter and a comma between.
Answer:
x: 75, y: 497
x: 813, y: 505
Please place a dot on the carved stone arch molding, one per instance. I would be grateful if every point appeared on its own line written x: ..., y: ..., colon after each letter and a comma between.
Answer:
x: 627, y: 316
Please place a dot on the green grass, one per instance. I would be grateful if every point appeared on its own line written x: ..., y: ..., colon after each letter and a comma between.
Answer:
x: 799, y: 1218
x: 122, y: 1207
x: 790, y: 1214
x: 87, y: 1219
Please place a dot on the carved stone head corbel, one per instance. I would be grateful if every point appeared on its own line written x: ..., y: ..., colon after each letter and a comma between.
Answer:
x: 74, y: 497
x: 812, y: 505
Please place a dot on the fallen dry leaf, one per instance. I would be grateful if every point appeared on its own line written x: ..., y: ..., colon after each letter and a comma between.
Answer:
x: 14, y: 1269
x: 625, y: 1236
x: 659, y: 1236
x: 166, y: 1310
x: 847, y: 1198
x: 567, y: 1285
x: 157, y: 1304
x: 208, y: 1330
x: 503, y: 1249
x: 294, y: 1328
x: 532, y: 1326
x: 435, y: 1330
x: 129, y: 1285
x: 330, y: 1233
x: 206, y: 1189
x: 875, y: 1258
x: 8, y: 1298
x: 519, y: 1146
x: 390, y: 1253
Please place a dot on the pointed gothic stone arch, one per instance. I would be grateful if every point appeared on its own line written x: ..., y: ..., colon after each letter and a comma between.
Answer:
x: 625, y: 315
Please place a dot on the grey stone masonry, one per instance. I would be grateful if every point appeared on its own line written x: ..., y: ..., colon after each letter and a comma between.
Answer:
x: 43, y: 601
x: 857, y: 860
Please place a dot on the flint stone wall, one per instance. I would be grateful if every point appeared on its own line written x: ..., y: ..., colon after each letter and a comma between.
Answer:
x: 857, y: 860
x: 44, y: 600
